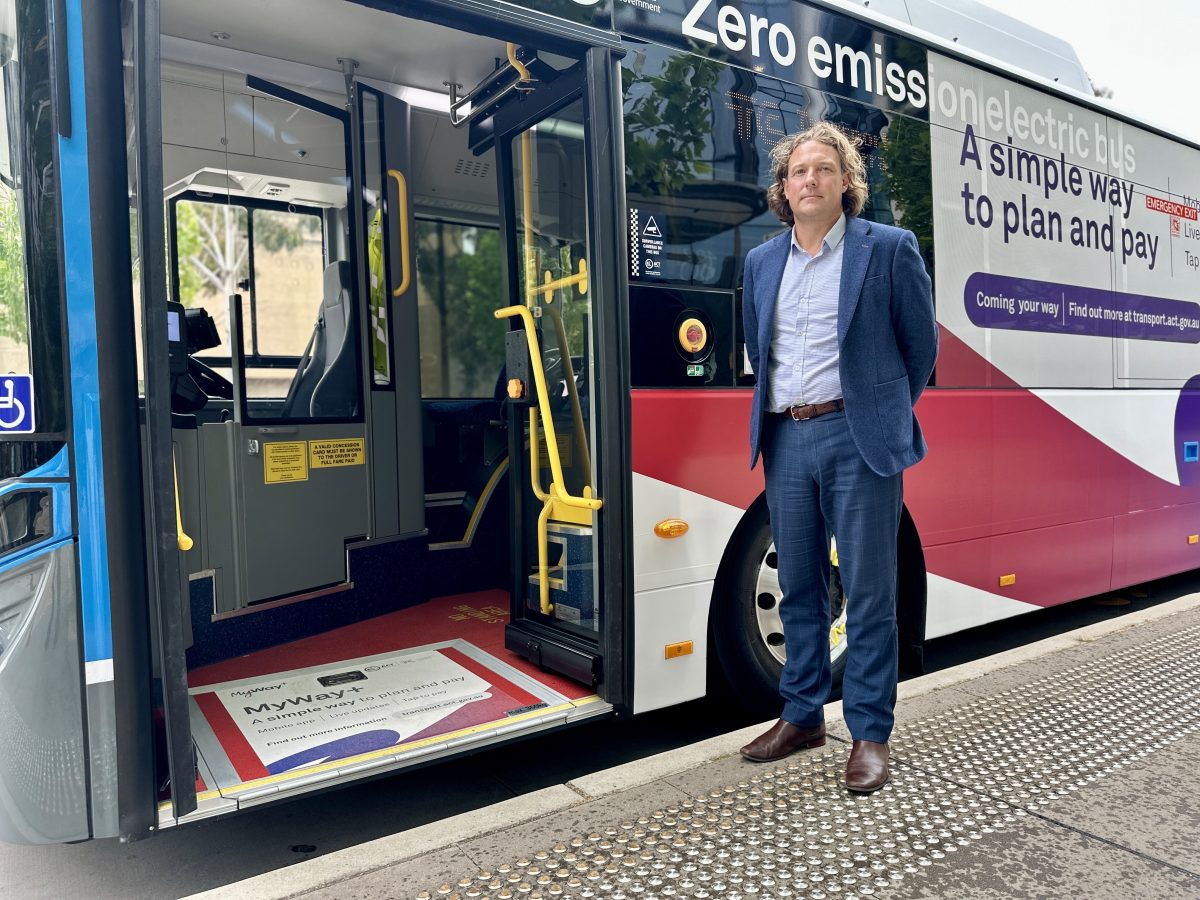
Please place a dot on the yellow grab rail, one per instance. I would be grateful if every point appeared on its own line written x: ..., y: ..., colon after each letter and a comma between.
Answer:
x: 572, y: 389
x: 556, y: 497
x: 522, y: 72
x: 556, y: 504
x: 548, y: 286
x: 182, y: 541
x: 405, y: 262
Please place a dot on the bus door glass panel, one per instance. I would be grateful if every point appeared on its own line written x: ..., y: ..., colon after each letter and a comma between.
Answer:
x: 287, y: 289
x: 552, y: 256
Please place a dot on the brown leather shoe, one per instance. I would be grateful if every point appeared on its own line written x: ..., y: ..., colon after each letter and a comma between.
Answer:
x: 783, y: 739
x: 867, y: 769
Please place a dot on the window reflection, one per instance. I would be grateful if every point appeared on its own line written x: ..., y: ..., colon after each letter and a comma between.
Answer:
x: 697, y: 140
x: 458, y: 291
x: 14, y: 313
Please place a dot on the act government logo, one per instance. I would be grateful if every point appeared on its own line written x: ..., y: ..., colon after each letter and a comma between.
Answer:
x: 587, y: 2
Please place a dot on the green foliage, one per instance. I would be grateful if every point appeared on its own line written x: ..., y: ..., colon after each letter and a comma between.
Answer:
x: 465, y: 287
x: 211, y: 242
x: 13, y: 314
x: 187, y: 242
x: 282, y: 230
x: 907, y: 179
x: 668, y: 120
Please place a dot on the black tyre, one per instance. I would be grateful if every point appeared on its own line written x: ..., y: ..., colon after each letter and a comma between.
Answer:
x: 747, y: 630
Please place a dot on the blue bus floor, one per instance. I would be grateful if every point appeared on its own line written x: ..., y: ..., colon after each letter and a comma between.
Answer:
x: 1066, y: 768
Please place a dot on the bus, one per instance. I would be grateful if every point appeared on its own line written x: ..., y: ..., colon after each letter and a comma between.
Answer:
x: 375, y: 390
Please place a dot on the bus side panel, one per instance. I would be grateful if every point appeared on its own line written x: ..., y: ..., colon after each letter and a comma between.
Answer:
x: 673, y: 578
x: 43, y: 769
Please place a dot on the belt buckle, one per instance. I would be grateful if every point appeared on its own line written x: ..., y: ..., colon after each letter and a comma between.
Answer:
x: 799, y: 418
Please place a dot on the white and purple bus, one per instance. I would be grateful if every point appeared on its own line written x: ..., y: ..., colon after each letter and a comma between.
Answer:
x: 376, y: 390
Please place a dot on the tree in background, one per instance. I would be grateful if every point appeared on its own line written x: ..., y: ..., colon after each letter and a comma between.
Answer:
x: 213, y: 249
x: 13, y: 322
x: 459, y: 272
x: 668, y: 120
x: 907, y: 179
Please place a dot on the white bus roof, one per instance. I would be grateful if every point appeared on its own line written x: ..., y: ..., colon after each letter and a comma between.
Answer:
x: 976, y: 27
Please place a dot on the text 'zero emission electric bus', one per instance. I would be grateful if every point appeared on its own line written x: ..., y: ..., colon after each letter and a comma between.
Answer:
x: 372, y: 388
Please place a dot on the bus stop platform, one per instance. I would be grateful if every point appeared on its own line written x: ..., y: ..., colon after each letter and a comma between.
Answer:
x: 1066, y: 768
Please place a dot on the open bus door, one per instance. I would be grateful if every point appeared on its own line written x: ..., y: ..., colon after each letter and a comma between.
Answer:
x: 558, y: 177
x: 280, y: 480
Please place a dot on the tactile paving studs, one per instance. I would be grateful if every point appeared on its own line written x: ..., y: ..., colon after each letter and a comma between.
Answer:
x: 795, y: 832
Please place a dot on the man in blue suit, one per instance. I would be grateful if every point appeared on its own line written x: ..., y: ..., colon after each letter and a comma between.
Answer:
x: 841, y: 336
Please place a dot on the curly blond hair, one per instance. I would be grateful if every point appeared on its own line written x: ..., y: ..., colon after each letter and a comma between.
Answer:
x: 855, y: 195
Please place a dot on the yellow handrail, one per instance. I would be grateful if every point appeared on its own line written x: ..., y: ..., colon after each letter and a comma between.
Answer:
x: 548, y: 287
x: 535, y: 462
x: 572, y: 390
x: 522, y: 71
x: 557, y: 494
x: 405, y: 263
x: 182, y: 541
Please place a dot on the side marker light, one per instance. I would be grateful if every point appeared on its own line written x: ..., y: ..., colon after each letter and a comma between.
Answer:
x: 671, y: 528
x: 1194, y: 538
x: 683, y: 648
x: 1006, y: 580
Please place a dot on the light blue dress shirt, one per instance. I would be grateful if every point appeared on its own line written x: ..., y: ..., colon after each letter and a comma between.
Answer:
x: 803, y: 359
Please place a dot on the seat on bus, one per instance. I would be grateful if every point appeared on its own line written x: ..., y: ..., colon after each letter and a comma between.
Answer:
x: 326, y: 383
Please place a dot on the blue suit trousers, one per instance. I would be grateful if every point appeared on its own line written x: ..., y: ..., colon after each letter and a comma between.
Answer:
x: 818, y: 485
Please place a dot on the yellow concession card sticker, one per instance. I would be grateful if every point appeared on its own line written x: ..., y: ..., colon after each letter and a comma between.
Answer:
x: 340, y: 452
x: 285, y: 461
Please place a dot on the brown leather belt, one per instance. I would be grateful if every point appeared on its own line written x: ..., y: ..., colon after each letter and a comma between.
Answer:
x: 812, y: 410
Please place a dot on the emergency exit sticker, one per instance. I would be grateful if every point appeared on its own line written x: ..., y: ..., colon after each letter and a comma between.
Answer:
x: 339, y: 452
x: 285, y: 461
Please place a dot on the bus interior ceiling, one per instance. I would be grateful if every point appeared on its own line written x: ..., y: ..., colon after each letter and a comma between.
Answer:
x: 299, y: 588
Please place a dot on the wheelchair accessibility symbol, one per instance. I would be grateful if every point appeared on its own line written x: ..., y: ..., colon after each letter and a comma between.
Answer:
x: 16, y: 404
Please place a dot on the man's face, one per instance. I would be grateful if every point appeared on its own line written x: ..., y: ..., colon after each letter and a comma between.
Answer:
x: 814, y: 184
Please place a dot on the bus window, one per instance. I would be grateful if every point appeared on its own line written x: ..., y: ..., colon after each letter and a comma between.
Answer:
x: 716, y: 124
x: 288, y: 270
x: 212, y: 257
x: 14, y: 319
x: 458, y: 290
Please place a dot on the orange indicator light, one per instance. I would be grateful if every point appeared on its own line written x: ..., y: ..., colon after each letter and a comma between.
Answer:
x: 1194, y: 538
x: 671, y: 528
x: 1006, y: 580
x: 674, y: 651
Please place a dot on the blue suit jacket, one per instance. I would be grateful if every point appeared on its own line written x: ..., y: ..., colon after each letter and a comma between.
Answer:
x: 887, y: 338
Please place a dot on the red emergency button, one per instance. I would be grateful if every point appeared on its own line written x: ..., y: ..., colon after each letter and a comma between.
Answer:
x: 692, y: 335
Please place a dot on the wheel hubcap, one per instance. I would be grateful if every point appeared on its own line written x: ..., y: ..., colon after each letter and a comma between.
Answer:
x: 767, y: 597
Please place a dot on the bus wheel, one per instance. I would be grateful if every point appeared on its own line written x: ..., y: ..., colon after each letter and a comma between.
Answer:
x: 747, y: 630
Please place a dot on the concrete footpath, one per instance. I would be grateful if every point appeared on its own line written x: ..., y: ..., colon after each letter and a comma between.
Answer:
x: 1065, y: 768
